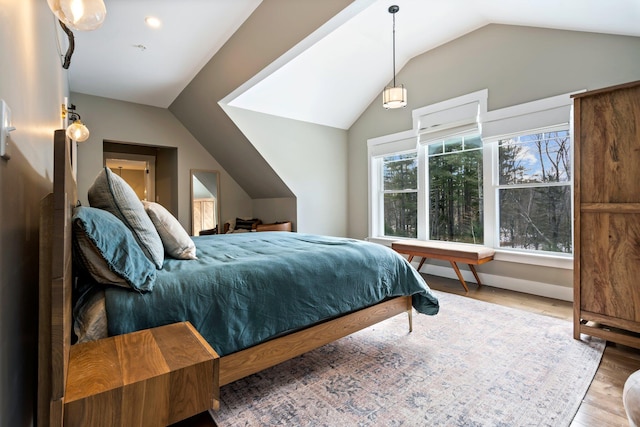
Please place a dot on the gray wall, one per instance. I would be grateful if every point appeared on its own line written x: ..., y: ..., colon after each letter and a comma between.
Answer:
x: 121, y: 121
x: 516, y: 65
x: 312, y: 161
x: 33, y: 84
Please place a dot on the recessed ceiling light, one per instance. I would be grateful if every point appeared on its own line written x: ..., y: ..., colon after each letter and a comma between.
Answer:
x: 153, y: 22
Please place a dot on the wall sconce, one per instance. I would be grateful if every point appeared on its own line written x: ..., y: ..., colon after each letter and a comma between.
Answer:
x: 5, y: 129
x: 80, y: 15
x: 76, y: 131
x: 394, y: 96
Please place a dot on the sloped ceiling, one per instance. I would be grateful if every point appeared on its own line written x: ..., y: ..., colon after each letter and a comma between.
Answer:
x: 257, y: 43
x: 304, y: 53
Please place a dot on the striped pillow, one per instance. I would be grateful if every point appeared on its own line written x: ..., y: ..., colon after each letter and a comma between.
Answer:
x: 113, y: 194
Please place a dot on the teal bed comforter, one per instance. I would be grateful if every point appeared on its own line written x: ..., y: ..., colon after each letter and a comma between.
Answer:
x: 247, y: 288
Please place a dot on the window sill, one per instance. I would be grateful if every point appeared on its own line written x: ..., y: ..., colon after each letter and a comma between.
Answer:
x: 543, y: 260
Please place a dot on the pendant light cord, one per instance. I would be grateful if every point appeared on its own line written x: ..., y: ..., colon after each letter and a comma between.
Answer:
x: 394, y: 49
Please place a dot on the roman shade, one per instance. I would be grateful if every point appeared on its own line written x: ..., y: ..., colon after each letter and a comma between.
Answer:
x: 539, y: 114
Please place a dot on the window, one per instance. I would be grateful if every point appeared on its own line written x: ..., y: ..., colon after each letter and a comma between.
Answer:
x: 501, y: 178
x: 455, y: 189
x: 534, y: 191
x: 400, y: 194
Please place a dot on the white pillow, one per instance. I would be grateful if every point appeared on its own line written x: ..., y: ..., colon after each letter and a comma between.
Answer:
x: 175, y: 239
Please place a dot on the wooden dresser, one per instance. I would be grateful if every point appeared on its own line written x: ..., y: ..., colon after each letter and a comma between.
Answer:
x: 607, y: 214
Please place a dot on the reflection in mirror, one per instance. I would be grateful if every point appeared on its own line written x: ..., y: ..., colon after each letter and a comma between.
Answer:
x: 138, y: 171
x: 205, y: 201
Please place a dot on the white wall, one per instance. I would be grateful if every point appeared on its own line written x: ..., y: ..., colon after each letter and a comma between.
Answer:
x: 120, y: 121
x: 516, y: 65
x: 311, y: 159
x: 33, y: 84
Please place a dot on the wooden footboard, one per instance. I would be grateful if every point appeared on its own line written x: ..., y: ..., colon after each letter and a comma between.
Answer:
x: 262, y: 356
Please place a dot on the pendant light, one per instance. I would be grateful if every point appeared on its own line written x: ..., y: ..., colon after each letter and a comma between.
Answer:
x: 394, y: 96
x: 79, y: 15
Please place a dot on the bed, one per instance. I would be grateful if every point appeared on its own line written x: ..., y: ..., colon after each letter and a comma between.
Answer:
x: 237, y: 281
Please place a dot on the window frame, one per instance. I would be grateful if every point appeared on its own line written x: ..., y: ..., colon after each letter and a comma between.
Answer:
x: 425, y: 149
x: 378, y: 148
x: 382, y: 191
x: 522, y: 119
x: 496, y: 186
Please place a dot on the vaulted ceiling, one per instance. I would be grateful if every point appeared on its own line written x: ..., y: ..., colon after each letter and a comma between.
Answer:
x: 246, y: 53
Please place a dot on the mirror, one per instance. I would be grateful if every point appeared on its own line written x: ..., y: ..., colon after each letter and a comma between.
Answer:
x: 205, y: 201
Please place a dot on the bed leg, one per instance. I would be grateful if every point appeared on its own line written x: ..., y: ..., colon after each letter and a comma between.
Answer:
x: 410, y: 313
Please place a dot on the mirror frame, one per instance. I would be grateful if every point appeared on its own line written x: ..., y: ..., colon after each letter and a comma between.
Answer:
x: 192, y: 173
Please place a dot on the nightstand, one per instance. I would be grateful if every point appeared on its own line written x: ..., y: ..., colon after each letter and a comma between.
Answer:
x: 153, y: 377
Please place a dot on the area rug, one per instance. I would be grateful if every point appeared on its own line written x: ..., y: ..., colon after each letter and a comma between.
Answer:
x: 473, y: 364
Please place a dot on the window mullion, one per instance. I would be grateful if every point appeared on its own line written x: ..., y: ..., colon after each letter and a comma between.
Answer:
x: 491, y: 207
x: 423, y: 194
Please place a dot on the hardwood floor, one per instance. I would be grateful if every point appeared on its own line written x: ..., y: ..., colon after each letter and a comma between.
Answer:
x: 602, y: 405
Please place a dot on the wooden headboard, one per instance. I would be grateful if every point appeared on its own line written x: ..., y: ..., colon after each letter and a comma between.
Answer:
x: 56, y: 283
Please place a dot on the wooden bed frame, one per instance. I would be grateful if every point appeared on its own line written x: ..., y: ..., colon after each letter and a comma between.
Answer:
x: 55, y: 306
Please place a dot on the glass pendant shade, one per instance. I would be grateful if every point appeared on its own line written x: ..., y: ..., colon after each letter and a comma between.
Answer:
x: 77, y: 131
x: 394, y: 97
x: 80, y: 15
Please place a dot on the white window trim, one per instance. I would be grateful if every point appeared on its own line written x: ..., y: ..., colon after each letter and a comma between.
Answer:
x: 548, y: 112
x: 556, y: 106
x: 555, y: 112
x: 480, y: 97
x: 377, y: 148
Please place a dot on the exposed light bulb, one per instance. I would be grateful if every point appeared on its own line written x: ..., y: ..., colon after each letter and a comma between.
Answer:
x: 77, y: 131
x: 77, y: 10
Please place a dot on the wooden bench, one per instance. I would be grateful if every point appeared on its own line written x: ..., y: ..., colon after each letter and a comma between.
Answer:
x: 276, y: 226
x: 447, y: 251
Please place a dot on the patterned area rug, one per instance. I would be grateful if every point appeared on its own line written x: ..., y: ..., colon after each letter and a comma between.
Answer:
x: 474, y: 364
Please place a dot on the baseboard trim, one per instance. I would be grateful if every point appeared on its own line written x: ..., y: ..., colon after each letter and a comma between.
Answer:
x: 513, y: 284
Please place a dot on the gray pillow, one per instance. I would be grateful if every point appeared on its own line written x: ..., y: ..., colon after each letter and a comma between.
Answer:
x: 113, y: 194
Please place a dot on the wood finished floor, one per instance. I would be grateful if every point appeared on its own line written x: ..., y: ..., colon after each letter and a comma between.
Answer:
x: 602, y: 405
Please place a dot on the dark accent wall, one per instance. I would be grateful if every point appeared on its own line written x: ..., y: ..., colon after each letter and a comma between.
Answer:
x: 33, y: 84
x: 257, y: 43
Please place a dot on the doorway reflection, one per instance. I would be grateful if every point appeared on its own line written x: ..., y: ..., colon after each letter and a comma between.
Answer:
x: 205, y: 201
